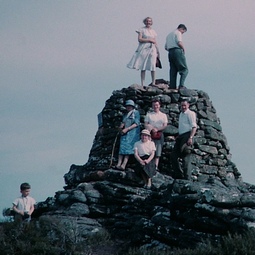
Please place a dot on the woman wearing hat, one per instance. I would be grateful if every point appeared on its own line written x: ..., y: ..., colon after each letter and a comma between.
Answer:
x: 130, y: 133
x: 144, y: 151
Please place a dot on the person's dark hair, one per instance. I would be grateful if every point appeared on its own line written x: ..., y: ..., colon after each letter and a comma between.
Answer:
x: 156, y: 100
x: 182, y: 26
x: 25, y: 186
x: 185, y: 100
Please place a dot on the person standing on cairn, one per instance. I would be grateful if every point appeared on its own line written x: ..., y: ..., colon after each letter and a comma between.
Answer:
x: 147, y: 52
x: 176, y: 56
x: 182, y: 149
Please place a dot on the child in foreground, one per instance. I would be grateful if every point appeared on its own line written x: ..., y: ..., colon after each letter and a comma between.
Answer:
x: 23, y: 206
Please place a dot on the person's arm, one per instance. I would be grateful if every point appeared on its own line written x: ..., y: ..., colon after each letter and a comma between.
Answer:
x: 136, y: 121
x: 166, y: 47
x: 166, y: 43
x: 193, y: 123
x: 125, y: 130
x: 179, y: 40
x: 192, y: 133
x: 148, y: 126
x: 137, y: 157
x: 135, y: 124
x: 122, y: 124
x: 162, y: 128
x: 180, y: 44
x: 121, y: 128
x: 145, y: 40
x: 148, y: 160
x: 158, y: 54
x: 15, y: 209
x: 32, y: 208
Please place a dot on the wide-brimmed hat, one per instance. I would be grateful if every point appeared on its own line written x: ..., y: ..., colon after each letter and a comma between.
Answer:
x: 130, y: 102
x: 146, y: 132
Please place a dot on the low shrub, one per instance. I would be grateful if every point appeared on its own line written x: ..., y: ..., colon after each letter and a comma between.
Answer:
x: 47, y: 237
x: 52, y: 237
x: 232, y: 244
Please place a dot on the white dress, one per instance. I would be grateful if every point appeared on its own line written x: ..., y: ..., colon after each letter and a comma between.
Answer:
x: 146, y: 54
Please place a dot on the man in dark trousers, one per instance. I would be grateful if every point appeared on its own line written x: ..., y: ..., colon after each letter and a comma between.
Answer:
x: 182, y: 149
x: 176, y: 56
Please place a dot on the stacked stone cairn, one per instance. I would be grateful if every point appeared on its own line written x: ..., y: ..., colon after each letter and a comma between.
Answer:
x: 175, y: 212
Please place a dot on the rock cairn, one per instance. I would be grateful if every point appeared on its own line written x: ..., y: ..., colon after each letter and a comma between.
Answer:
x: 175, y: 212
x: 211, y: 156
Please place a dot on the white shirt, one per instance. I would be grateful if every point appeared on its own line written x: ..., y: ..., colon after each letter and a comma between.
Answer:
x: 156, y: 119
x: 172, y: 39
x: 187, y: 121
x: 144, y: 148
x: 24, y: 203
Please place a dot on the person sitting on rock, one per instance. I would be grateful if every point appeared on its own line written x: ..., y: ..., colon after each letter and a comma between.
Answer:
x: 130, y: 133
x: 182, y: 149
x: 144, y: 151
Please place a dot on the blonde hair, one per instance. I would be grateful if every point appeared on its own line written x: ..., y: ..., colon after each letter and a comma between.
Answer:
x: 146, y: 19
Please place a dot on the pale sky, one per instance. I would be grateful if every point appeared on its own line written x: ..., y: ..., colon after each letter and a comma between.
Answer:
x: 61, y: 60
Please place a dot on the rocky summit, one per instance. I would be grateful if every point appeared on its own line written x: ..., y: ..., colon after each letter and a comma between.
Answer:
x: 175, y: 212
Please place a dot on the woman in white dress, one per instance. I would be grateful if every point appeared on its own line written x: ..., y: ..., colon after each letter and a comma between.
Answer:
x: 145, y: 56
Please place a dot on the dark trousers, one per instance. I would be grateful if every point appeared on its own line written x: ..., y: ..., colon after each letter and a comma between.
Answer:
x: 149, y: 169
x: 182, y: 150
x: 177, y: 61
x: 19, y: 218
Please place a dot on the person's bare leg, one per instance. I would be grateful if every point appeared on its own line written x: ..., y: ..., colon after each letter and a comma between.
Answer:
x: 120, y: 158
x: 153, y: 77
x: 142, y: 77
x: 156, y: 161
x: 149, y: 182
x: 125, y: 160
